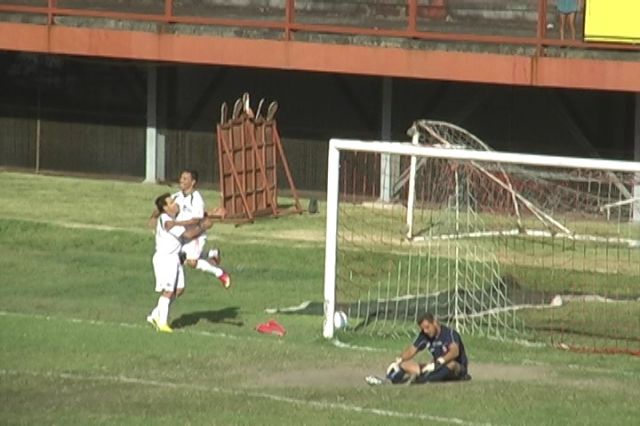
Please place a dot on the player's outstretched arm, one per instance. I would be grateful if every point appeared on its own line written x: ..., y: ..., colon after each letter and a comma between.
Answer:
x: 409, y: 352
x: 218, y: 212
x: 186, y: 223
x: 206, y: 223
x: 195, y: 231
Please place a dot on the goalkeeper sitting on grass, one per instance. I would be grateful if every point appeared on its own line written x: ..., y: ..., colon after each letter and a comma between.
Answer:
x: 448, y: 358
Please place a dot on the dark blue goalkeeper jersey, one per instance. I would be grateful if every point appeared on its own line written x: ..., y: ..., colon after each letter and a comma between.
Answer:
x: 439, y: 345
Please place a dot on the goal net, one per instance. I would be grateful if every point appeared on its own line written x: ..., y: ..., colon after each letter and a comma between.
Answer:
x: 495, y: 244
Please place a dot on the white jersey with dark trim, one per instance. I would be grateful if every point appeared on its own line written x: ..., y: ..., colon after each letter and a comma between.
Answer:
x: 191, y: 205
x: 168, y: 242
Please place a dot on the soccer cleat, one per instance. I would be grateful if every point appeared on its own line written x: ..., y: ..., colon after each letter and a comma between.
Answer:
x: 225, y: 279
x: 153, y: 321
x: 259, y: 110
x: 215, y: 255
x: 223, y: 113
x: 165, y: 328
x: 246, y: 105
x: 271, y: 111
x: 237, y: 109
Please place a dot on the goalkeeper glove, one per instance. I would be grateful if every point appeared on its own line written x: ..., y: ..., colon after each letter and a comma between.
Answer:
x: 394, y: 373
x: 394, y: 366
x: 428, y: 368
x: 432, y: 366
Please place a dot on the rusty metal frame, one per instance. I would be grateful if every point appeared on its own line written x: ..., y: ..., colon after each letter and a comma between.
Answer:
x: 285, y: 164
x: 260, y: 158
x: 226, y: 151
x: 289, y: 26
x: 253, y: 181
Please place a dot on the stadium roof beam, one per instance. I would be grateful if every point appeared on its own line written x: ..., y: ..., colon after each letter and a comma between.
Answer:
x: 601, y: 73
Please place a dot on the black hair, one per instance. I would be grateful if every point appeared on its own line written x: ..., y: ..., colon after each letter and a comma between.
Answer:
x: 193, y: 173
x: 161, y: 201
x: 427, y: 316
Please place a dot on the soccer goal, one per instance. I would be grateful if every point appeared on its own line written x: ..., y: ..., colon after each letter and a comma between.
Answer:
x: 507, y: 245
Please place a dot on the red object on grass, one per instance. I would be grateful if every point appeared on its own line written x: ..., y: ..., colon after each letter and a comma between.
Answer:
x: 271, y: 327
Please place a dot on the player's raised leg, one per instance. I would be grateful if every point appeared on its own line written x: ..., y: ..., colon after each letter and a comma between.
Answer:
x: 213, y: 255
x: 194, y: 250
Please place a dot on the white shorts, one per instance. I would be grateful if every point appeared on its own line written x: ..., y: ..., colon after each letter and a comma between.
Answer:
x: 194, y: 248
x: 168, y: 271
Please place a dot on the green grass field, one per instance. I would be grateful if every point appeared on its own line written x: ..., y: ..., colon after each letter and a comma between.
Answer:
x: 77, y: 284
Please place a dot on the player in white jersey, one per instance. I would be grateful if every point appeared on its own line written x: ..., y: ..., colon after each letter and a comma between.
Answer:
x: 167, y: 264
x: 192, y: 210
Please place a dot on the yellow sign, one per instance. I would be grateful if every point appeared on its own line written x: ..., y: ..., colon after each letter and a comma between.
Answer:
x: 615, y: 21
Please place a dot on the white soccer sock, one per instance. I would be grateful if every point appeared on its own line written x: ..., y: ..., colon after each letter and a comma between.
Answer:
x: 209, y: 254
x: 163, y: 310
x: 154, y: 313
x: 203, y: 265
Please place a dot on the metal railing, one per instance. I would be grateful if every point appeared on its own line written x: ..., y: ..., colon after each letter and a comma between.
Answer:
x: 411, y: 24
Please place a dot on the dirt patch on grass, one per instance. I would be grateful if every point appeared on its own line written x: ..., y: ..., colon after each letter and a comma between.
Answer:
x: 340, y: 376
x: 353, y: 376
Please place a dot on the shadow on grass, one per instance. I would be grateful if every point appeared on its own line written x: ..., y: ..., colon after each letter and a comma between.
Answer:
x: 226, y: 316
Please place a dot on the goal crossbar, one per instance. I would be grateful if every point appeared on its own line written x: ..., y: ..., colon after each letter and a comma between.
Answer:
x: 407, y: 148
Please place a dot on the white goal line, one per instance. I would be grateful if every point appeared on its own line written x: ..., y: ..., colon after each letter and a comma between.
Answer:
x: 558, y: 301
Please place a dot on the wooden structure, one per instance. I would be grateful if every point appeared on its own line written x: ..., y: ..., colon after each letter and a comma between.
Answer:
x: 249, y: 153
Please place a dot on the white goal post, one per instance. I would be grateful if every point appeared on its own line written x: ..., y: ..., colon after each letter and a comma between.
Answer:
x: 338, y: 146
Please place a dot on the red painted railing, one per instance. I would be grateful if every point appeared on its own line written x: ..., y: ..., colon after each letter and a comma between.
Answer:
x: 289, y: 25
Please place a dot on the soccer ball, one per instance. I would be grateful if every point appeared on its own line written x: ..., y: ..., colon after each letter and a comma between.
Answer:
x: 339, y: 320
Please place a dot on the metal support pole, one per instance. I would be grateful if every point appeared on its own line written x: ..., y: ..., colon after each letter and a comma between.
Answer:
x: 151, y: 171
x: 412, y: 187
x: 290, y: 12
x: 541, y: 29
x: 636, y: 157
x: 168, y: 10
x: 387, y: 166
x: 51, y: 4
x: 38, y: 131
x: 412, y: 15
x: 331, y: 237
